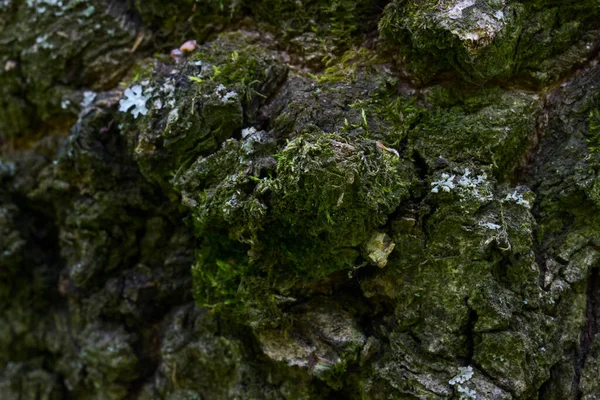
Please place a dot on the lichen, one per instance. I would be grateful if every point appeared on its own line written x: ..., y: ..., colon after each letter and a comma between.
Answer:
x: 134, y: 101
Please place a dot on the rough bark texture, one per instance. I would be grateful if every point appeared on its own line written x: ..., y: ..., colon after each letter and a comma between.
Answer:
x: 340, y: 199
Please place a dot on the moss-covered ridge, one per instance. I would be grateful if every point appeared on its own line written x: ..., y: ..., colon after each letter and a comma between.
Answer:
x: 304, y: 206
x: 53, y: 49
x: 188, y: 110
x: 481, y: 40
x: 313, y: 181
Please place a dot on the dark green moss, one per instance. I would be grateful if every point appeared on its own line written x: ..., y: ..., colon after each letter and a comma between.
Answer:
x: 484, y: 40
x: 489, y: 126
x: 305, y: 218
x: 51, y: 53
x: 181, y: 20
x: 318, y: 31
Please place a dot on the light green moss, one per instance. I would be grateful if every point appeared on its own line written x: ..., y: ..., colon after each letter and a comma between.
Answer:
x: 306, y: 218
x: 335, y: 190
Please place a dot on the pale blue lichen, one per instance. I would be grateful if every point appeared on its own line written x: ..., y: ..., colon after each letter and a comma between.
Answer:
x: 446, y: 183
x: 225, y: 94
x: 246, y: 132
x: 88, y: 12
x: 41, y: 6
x: 466, y: 393
x: 42, y: 42
x: 134, y: 101
x: 467, y: 186
x: 490, y: 225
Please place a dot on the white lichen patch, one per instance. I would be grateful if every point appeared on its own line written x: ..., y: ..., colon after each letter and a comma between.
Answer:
x: 37, y: 3
x: 88, y: 12
x: 88, y: 98
x: 456, y: 11
x: 225, y: 94
x: 246, y: 132
x: 464, y: 375
x: 41, y: 6
x: 466, y: 185
x: 517, y: 198
x: 473, y: 23
x: 161, y: 96
x: 231, y: 204
x: 490, y: 225
x: 220, y: 89
x: 173, y: 116
x: 466, y: 393
x: 229, y: 96
x: 134, y: 101
x: 41, y: 42
x: 446, y: 183
x: 466, y: 181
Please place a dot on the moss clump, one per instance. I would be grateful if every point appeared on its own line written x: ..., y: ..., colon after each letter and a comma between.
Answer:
x: 335, y: 191
x: 299, y: 214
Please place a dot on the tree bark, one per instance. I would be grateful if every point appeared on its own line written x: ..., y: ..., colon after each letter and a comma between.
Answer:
x: 306, y: 200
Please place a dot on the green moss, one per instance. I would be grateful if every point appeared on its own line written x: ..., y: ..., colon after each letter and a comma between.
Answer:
x: 487, y: 126
x: 477, y: 41
x: 301, y: 220
x: 218, y: 280
x: 593, y: 141
x: 345, y: 69
x: 335, y: 190
x: 400, y: 115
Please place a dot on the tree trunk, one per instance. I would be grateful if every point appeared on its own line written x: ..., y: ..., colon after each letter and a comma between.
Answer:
x: 276, y: 199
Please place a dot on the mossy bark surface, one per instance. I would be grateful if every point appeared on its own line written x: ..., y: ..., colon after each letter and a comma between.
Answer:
x: 309, y: 200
